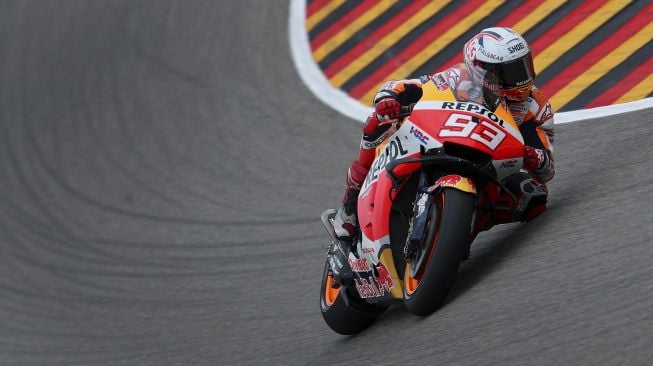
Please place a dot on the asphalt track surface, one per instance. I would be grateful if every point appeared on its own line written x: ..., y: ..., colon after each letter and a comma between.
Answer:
x: 163, y: 169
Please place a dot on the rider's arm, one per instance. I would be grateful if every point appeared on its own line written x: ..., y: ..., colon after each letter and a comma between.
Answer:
x: 538, y: 132
x: 404, y: 91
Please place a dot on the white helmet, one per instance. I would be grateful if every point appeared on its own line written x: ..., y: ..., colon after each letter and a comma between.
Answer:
x: 499, y: 58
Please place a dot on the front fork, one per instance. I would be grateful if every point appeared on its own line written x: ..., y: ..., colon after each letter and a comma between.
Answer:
x: 426, y: 195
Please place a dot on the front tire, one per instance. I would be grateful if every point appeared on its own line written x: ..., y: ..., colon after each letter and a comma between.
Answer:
x: 438, y: 260
x: 341, y: 318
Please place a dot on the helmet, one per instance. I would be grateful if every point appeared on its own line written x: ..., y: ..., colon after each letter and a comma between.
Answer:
x: 500, y: 60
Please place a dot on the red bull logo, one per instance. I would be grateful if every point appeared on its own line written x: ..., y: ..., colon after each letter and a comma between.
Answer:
x: 359, y: 265
x: 455, y: 181
x: 383, y: 279
x: 375, y: 286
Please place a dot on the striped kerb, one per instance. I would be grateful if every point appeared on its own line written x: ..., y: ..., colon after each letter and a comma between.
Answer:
x: 587, y: 53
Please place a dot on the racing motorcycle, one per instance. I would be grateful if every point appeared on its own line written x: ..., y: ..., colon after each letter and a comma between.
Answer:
x: 433, y: 186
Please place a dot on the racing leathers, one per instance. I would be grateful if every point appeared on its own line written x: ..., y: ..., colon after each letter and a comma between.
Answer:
x: 534, y: 117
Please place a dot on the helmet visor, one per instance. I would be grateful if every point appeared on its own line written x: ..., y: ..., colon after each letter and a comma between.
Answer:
x: 513, y: 73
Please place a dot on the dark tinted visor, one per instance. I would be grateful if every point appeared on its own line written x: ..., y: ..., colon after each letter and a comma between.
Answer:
x: 512, y: 73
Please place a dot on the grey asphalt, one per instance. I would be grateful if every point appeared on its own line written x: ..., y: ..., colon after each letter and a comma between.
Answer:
x: 163, y: 169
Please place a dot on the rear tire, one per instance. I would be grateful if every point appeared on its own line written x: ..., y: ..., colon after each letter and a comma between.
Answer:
x: 448, y: 240
x: 341, y: 318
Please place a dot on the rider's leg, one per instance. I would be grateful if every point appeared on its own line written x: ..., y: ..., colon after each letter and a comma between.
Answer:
x: 531, y: 196
x: 346, y: 222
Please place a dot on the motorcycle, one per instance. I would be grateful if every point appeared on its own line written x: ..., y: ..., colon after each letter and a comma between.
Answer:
x: 433, y: 186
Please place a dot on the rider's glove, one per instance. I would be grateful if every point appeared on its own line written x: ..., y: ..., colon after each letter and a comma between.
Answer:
x: 534, y: 158
x: 387, y: 109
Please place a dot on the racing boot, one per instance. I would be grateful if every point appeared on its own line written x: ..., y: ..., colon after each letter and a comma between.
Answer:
x: 531, y: 196
x: 345, y: 226
x: 345, y: 222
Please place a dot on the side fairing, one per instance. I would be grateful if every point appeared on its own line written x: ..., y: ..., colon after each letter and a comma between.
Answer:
x: 374, y: 212
x: 373, y: 206
x: 374, y: 269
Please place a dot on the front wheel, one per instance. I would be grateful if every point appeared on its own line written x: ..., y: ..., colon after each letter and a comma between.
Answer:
x: 432, y: 269
x: 343, y: 318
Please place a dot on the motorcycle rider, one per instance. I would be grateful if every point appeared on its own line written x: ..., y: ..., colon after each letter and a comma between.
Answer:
x: 497, y: 60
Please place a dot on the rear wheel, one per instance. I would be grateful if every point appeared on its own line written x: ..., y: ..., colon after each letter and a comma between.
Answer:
x: 430, y: 272
x: 341, y: 318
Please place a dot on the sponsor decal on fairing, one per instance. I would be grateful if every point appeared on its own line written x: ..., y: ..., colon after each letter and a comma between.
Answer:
x: 507, y: 167
x: 404, y: 142
x: 489, y: 135
x: 375, y: 286
x: 359, y: 264
x: 420, y: 135
x: 455, y: 181
x: 393, y: 151
x: 449, y: 180
x: 475, y: 108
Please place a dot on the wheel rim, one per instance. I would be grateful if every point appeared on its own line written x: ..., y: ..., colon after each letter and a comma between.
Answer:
x: 412, y: 281
x: 330, y: 293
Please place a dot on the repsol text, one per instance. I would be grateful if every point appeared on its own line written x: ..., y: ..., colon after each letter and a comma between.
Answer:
x: 473, y: 107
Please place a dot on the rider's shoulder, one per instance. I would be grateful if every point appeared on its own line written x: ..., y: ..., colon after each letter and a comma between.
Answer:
x: 458, y: 71
x: 538, y: 96
x: 539, y: 105
x: 453, y: 76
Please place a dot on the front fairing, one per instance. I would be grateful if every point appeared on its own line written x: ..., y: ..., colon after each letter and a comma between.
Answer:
x: 494, y: 133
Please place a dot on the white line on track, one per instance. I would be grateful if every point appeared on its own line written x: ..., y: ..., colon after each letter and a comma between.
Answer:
x: 337, y: 99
